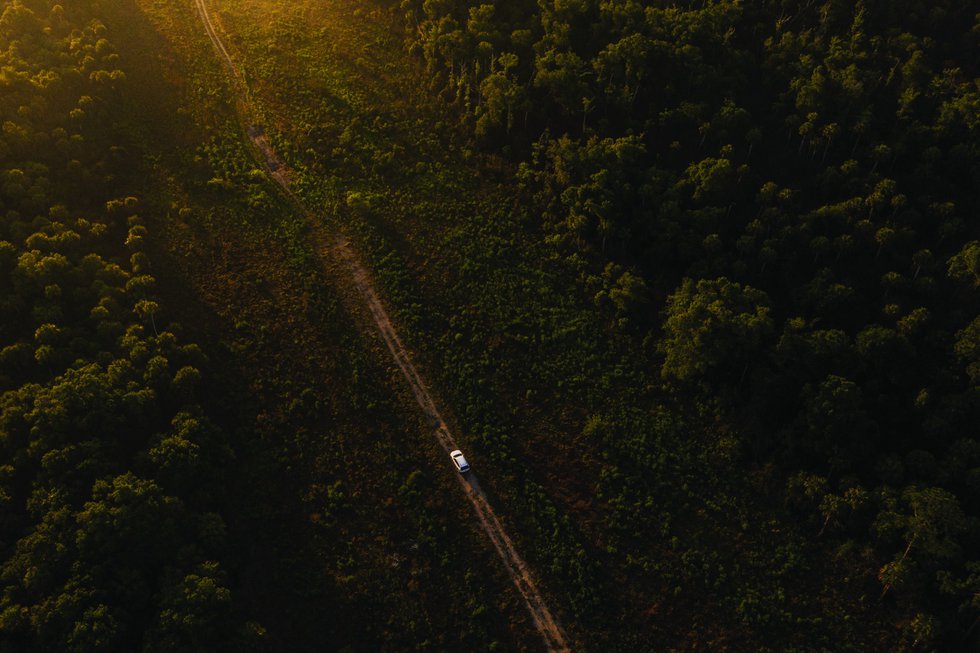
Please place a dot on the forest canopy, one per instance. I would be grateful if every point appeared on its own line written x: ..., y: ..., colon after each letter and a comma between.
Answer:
x: 111, y: 470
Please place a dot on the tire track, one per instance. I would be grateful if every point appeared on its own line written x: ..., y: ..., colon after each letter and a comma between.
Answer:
x: 339, y: 248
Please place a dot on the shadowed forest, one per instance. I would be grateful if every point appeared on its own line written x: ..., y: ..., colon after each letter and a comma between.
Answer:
x: 696, y: 286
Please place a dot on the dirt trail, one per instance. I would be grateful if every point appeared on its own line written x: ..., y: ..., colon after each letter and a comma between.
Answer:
x: 337, y: 247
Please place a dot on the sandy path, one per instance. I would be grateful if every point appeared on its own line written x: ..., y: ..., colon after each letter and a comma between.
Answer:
x: 338, y: 248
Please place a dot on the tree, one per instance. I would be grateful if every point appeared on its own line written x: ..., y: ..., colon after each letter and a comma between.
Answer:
x: 592, y: 189
x: 837, y: 427
x: 928, y: 520
x: 502, y: 97
x: 628, y: 292
x: 129, y: 520
x: 96, y: 630
x: 714, y: 330
x: 196, y: 615
x: 967, y: 347
x: 965, y: 265
x: 711, y: 179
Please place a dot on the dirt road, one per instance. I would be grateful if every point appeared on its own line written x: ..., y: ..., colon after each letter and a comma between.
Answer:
x: 331, y: 246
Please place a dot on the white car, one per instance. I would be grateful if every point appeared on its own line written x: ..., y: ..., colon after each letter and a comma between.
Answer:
x: 460, y: 461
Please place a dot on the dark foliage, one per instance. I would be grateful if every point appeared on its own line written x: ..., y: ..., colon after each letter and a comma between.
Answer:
x: 111, y: 471
x: 798, y: 180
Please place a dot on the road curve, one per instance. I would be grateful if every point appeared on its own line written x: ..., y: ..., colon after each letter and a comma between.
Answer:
x: 337, y: 247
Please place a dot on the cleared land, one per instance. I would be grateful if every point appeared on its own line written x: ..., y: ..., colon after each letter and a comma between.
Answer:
x: 516, y: 568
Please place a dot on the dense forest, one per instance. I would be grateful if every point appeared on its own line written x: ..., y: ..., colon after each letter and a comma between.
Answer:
x: 112, y: 472
x: 780, y: 199
x: 696, y: 284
